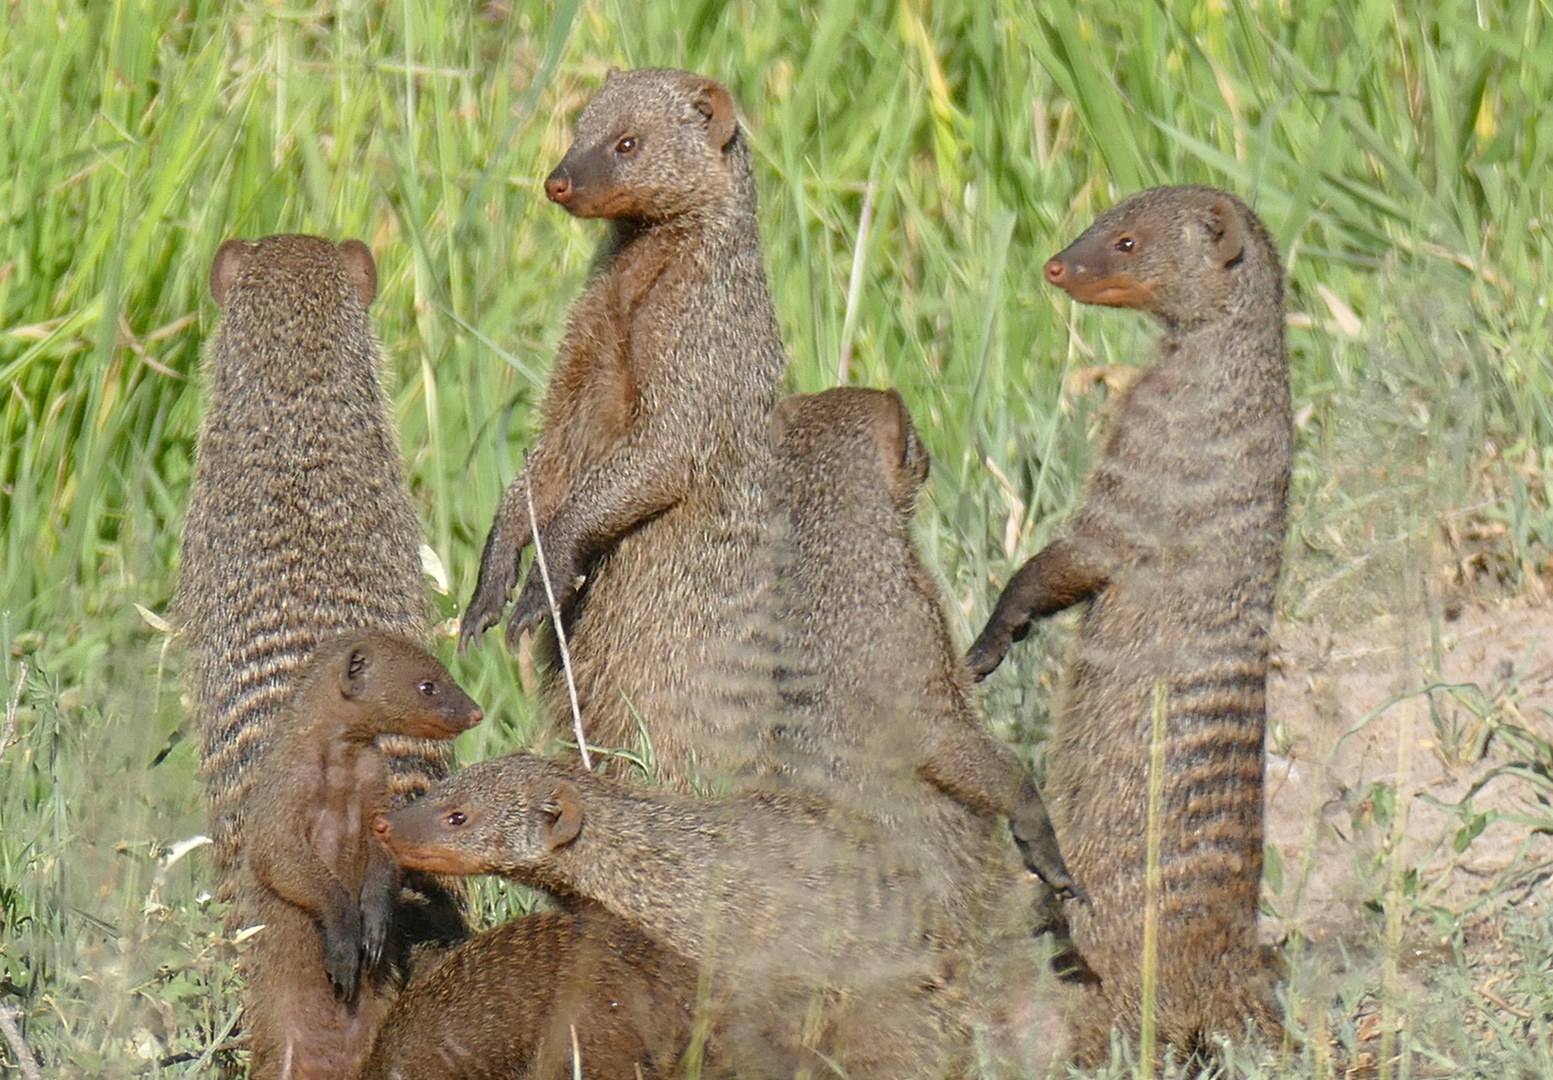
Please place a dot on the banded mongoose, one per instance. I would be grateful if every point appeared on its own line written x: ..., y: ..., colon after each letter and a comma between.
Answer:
x: 321, y: 884
x: 506, y: 1003
x: 815, y: 932
x: 299, y: 525
x: 648, y: 476
x: 1177, y: 548
x: 880, y: 696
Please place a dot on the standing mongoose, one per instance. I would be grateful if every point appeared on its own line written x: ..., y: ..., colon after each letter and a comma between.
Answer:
x: 648, y: 476
x: 815, y: 932
x: 299, y: 525
x: 509, y: 1001
x: 1176, y: 548
x: 881, y: 697
x: 320, y: 883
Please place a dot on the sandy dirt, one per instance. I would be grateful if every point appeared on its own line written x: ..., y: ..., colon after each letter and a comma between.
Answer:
x: 1351, y: 731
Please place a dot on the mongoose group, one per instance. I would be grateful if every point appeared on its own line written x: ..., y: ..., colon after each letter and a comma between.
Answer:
x: 736, y: 578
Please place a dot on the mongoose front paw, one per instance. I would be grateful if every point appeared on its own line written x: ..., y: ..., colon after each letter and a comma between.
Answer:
x: 484, y: 612
x: 1044, y: 861
x: 987, y: 654
x: 342, y: 954
x: 533, y: 605
x: 376, y: 917
x: 530, y: 610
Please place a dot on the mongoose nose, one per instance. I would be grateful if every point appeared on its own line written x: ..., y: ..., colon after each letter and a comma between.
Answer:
x: 1056, y: 272
x: 476, y: 716
x: 381, y: 826
x: 558, y: 186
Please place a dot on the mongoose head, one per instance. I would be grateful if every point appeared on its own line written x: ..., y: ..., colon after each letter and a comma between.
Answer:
x: 508, y: 815
x: 304, y: 258
x: 1186, y: 255
x: 829, y: 427
x: 651, y: 145
x: 386, y: 686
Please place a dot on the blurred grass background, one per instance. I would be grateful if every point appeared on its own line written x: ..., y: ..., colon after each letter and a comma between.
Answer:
x: 917, y: 163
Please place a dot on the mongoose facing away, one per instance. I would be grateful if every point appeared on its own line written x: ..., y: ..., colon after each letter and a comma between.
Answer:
x: 506, y: 1002
x: 814, y: 934
x: 321, y: 884
x: 880, y: 696
x: 648, y: 476
x: 1176, y: 548
x: 299, y: 525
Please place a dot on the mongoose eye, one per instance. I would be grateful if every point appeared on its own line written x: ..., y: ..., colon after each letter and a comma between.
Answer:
x: 626, y: 146
x: 457, y: 818
x: 428, y: 689
x: 1125, y: 244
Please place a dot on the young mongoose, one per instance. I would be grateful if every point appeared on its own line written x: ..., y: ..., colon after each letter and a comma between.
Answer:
x: 648, y: 475
x: 322, y: 886
x: 507, y: 1002
x: 815, y: 934
x: 299, y: 525
x: 1176, y: 548
x: 881, y: 697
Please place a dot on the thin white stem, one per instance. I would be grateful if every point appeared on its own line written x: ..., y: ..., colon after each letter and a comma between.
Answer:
x: 560, y: 632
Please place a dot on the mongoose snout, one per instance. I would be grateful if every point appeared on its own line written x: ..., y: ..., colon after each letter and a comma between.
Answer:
x: 1099, y: 282
x: 558, y: 186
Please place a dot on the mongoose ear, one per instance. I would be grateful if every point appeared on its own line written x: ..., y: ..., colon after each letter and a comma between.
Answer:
x: 563, y: 815
x: 353, y: 679
x: 230, y: 258
x: 611, y: 73
x: 1226, y: 232
x: 360, y: 268
x: 892, y: 429
x: 713, y: 101
x: 782, y: 418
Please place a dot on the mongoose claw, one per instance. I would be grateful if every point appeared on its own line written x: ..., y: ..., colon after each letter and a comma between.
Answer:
x: 342, y: 955
x: 376, y: 918
x: 484, y: 612
x: 1037, y: 844
x: 1068, y: 889
x: 534, y: 602
x: 1053, y: 872
x: 530, y: 610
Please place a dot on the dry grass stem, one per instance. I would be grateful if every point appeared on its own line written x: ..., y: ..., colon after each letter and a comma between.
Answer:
x: 560, y: 633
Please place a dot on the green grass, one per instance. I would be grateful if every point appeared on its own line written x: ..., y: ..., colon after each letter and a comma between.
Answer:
x: 1400, y: 154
